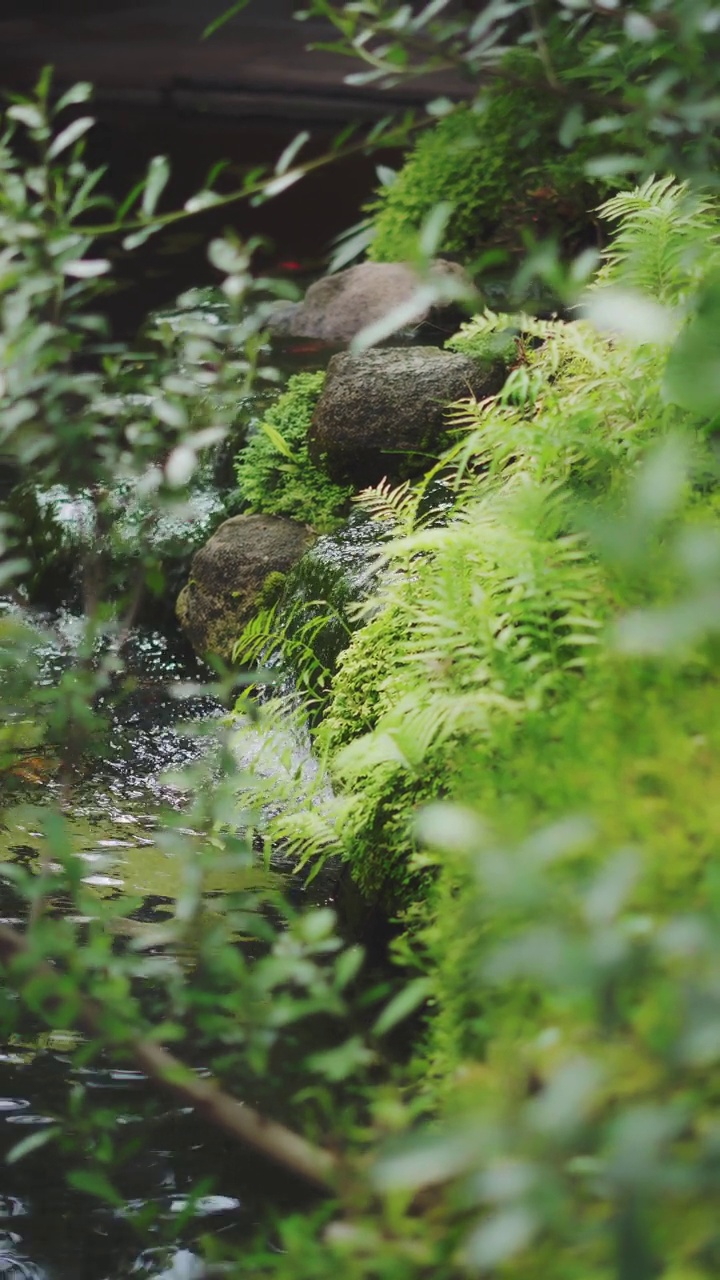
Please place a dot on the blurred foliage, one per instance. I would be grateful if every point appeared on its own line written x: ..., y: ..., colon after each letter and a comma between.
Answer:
x: 521, y: 739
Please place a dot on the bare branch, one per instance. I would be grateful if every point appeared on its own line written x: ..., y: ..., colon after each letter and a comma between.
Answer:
x: 237, y: 1119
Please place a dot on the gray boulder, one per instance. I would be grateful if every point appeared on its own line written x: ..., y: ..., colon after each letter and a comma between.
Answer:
x: 234, y: 574
x: 337, y: 307
x: 382, y: 413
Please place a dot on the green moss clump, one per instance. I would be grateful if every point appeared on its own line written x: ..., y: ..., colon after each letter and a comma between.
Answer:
x: 501, y: 169
x: 275, y: 473
x: 489, y: 349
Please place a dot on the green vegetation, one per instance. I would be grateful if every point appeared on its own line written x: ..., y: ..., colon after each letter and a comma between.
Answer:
x: 523, y: 737
x: 500, y: 167
x: 274, y: 471
x: 515, y: 755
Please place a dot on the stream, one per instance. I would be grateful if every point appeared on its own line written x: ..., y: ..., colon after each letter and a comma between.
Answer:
x: 47, y: 1228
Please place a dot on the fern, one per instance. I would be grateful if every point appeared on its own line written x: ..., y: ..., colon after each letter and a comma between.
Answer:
x: 395, y: 505
x: 665, y: 241
x: 488, y: 623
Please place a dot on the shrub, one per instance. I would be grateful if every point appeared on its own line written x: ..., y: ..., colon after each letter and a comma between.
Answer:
x: 489, y: 630
x: 501, y: 168
x: 274, y: 471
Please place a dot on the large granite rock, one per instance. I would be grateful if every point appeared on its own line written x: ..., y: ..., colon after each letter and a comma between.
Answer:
x: 337, y: 307
x: 229, y: 578
x: 383, y: 412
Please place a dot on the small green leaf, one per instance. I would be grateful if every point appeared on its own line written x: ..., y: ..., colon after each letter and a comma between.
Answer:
x: 277, y: 185
x: 78, y: 93
x: 348, y: 966
x: 27, y: 115
x: 155, y: 183
x: 402, y: 1005
x: 203, y: 200
x: 277, y: 440
x: 33, y: 1142
x: 95, y: 1184
x: 291, y: 151
x: 71, y: 134
x: 139, y: 238
x: 217, y: 23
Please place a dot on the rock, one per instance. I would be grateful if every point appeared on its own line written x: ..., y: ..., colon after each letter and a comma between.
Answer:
x: 337, y: 307
x: 228, y: 574
x: 381, y: 413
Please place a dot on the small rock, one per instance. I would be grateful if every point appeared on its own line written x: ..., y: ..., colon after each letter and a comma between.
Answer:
x: 228, y: 574
x: 337, y: 307
x: 382, y: 413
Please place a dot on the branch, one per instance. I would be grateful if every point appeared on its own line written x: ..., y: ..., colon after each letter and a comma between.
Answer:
x: 391, y: 138
x: 237, y: 1119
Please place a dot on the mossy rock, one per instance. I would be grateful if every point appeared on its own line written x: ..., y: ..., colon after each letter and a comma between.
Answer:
x: 382, y: 413
x: 230, y: 577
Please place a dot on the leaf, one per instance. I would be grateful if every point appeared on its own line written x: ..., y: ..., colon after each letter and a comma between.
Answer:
x: 33, y: 1142
x: 291, y: 151
x: 385, y: 174
x: 348, y: 966
x: 217, y: 23
x: 426, y: 1159
x: 402, y: 1005
x: 352, y: 247
x: 692, y: 374
x: 440, y: 107
x: 138, y: 238
x: 95, y: 1184
x: 27, y: 115
x: 630, y: 315
x: 406, y: 313
x: 203, y: 200
x: 155, y: 183
x: 86, y: 268
x: 277, y: 185
x: 433, y: 227
x: 499, y: 1237
x: 277, y: 440
x: 78, y: 93
x: 343, y: 1061
x: 71, y: 134
x: 609, y: 165
x: 130, y: 199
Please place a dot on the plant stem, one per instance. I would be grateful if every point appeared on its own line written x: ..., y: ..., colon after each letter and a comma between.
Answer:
x: 243, y: 1123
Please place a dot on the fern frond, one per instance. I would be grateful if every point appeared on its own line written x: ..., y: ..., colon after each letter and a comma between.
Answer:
x: 395, y: 504
x: 665, y: 241
x: 492, y: 322
x: 256, y: 637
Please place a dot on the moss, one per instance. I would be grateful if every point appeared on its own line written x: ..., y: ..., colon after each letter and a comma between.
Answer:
x: 271, y: 590
x: 489, y: 349
x: 501, y: 169
x: 275, y: 473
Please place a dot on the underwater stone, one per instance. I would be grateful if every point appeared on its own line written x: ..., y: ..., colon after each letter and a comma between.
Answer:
x: 228, y: 574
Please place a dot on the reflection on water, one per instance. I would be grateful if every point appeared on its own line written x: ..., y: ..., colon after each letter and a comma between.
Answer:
x: 49, y: 1230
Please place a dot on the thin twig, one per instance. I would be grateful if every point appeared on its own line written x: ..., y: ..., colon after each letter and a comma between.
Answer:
x: 240, y: 1121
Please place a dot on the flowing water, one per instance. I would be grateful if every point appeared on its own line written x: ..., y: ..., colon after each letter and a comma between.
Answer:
x: 48, y: 1229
